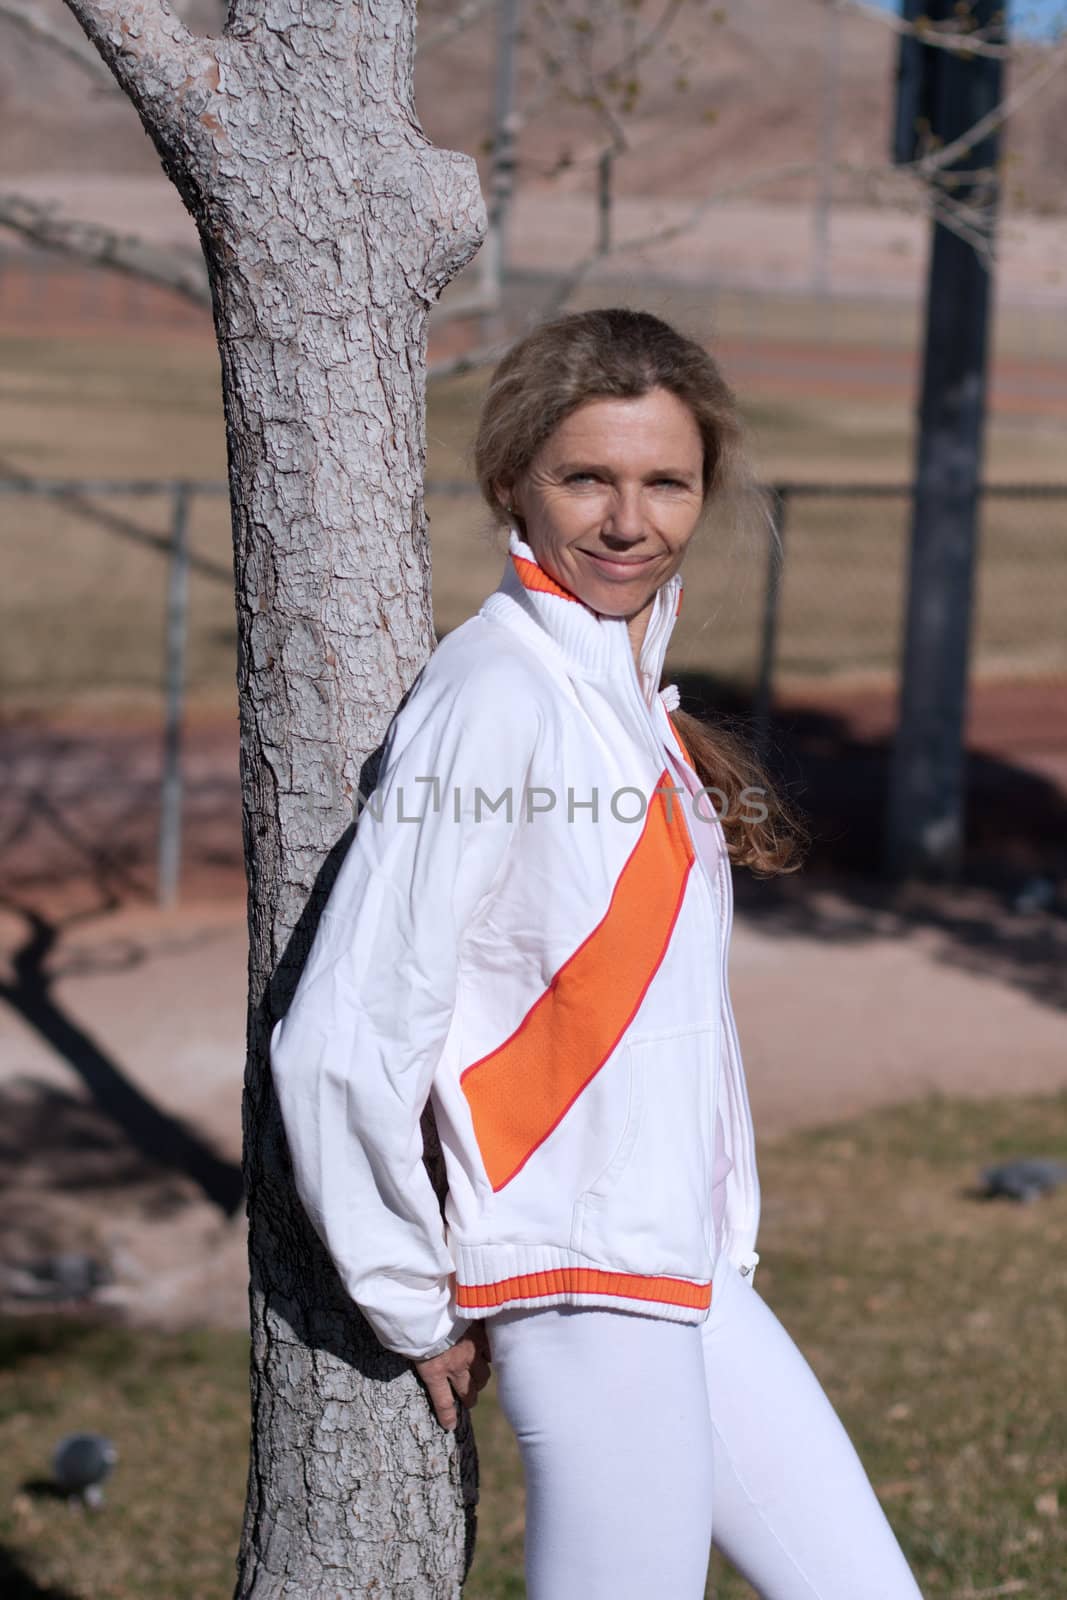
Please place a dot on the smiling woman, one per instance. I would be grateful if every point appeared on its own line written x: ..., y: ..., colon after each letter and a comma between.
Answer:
x: 612, y: 499
x: 609, y: 440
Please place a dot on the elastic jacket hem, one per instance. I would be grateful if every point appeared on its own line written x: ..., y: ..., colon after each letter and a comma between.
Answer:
x: 489, y: 1277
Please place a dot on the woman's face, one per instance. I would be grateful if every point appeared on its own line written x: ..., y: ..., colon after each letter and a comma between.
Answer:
x: 612, y: 499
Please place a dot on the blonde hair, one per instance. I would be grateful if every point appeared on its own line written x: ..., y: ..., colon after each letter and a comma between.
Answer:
x: 622, y: 354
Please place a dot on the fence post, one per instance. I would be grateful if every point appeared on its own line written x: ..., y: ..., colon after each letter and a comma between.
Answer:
x: 493, y: 255
x: 604, y: 197
x: 170, y: 805
x: 761, y: 702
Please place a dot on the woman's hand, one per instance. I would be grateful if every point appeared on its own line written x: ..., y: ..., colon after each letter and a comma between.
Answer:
x: 463, y: 1367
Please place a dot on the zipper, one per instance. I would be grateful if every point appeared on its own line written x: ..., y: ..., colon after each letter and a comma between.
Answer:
x: 742, y: 1141
x: 741, y: 1107
x: 662, y: 764
x: 646, y: 711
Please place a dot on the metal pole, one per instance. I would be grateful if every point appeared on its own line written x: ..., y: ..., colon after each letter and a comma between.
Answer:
x: 170, y: 803
x: 493, y: 259
x: 924, y: 828
x: 828, y: 143
x: 761, y: 702
x: 605, y: 174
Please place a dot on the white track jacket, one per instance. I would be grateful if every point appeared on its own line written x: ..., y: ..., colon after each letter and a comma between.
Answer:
x: 530, y: 928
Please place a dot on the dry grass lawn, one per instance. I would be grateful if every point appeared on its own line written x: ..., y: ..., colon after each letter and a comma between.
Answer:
x: 937, y: 1322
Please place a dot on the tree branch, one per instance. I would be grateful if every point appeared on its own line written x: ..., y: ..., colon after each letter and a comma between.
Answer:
x: 457, y: 23
x: 674, y: 230
x: 637, y: 50
x: 486, y: 354
x: 950, y: 36
x: 147, y: 47
x: 934, y: 161
x: 578, y: 52
x: 41, y: 27
x: 971, y: 222
x: 100, y: 247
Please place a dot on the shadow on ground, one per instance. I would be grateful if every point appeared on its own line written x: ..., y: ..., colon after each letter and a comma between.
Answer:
x: 147, y: 1133
x: 58, y: 1149
x: 18, y: 1584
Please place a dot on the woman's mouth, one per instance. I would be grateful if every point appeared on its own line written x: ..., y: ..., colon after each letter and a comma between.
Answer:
x: 620, y: 569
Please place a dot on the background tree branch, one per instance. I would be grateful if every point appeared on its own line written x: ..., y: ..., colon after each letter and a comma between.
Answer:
x: 957, y: 37
x: 38, y: 24
x: 96, y: 246
x: 468, y: 12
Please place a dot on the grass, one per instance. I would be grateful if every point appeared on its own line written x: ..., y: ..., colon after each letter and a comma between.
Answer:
x: 936, y: 1322
x: 177, y: 1409
x: 81, y: 619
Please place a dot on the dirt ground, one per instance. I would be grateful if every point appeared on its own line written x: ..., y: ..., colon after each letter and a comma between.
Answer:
x: 121, y: 1043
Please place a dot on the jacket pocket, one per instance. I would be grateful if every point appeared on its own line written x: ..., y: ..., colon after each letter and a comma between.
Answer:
x: 649, y: 1210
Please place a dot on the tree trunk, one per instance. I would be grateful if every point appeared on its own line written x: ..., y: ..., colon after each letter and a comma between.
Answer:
x: 329, y: 226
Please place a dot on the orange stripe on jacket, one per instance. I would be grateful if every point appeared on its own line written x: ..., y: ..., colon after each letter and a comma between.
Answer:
x: 534, y: 577
x: 521, y: 1090
x: 583, y: 1280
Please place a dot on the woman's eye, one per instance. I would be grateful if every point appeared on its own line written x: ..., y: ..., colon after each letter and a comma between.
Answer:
x: 594, y: 477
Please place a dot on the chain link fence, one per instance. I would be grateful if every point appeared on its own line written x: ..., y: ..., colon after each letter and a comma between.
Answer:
x: 109, y: 600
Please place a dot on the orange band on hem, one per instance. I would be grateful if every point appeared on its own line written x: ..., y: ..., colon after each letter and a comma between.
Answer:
x: 584, y: 1280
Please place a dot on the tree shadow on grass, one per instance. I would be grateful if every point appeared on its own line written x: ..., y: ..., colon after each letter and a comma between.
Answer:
x: 65, y: 1164
x: 16, y: 1583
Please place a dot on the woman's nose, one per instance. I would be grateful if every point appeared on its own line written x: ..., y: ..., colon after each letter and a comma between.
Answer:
x: 626, y: 516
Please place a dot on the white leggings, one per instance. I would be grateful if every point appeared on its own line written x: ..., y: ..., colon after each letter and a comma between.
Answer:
x: 644, y: 1439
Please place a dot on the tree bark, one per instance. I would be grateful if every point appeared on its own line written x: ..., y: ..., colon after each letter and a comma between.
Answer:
x: 329, y: 226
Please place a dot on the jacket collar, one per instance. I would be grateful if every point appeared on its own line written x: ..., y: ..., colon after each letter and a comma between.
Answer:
x: 594, y: 645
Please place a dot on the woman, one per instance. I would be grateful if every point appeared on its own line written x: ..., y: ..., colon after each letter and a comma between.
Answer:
x: 531, y: 929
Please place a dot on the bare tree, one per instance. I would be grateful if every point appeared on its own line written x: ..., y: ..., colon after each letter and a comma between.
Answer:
x: 329, y: 225
x: 596, y: 54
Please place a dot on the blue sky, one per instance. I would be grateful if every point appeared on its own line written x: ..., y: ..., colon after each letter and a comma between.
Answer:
x: 1031, y: 19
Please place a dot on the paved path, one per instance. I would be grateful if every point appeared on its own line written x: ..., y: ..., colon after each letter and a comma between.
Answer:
x: 122, y: 1151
